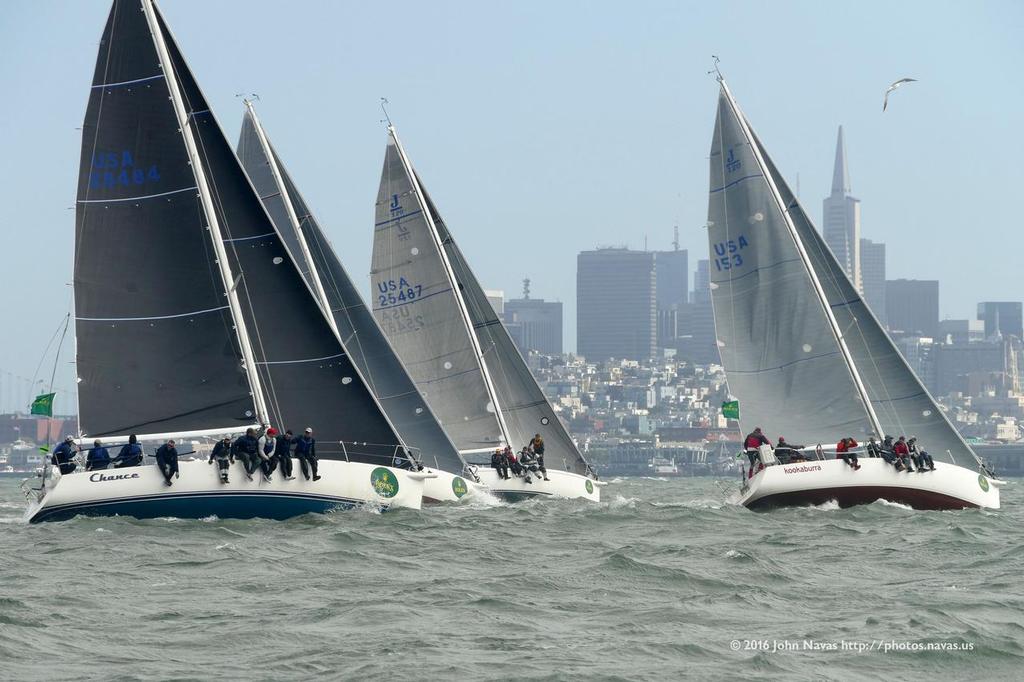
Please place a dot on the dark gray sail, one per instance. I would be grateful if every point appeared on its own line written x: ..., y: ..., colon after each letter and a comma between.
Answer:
x: 156, y: 349
x: 901, y: 402
x: 523, y: 405
x: 779, y: 352
x: 414, y: 303
x: 365, y: 342
x: 308, y: 378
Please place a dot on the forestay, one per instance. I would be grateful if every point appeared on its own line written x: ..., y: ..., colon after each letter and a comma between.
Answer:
x: 156, y: 347
x: 780, y: 355
x: 415, y: 305
x: 363, y: 339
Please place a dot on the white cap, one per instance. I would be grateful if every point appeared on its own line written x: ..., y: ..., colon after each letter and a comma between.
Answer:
x: 309, y: 429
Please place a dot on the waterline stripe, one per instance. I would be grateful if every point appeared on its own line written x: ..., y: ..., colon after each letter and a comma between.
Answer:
x: 140, y: 198
x: 137, y: 80
x: 142, y: 319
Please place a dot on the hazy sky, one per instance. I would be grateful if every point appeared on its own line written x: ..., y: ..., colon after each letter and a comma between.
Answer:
x: 546, y: 128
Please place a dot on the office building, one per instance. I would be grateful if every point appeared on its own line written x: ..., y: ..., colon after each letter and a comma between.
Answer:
x: 615, y: 304
x: 840, y: 224
x: 912, y: 307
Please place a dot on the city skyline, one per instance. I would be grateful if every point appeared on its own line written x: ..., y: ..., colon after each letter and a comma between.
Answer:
x: 567, y: 167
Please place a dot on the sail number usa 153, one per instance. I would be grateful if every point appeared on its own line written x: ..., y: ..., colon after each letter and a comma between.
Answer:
x: 727, y: 253
x: 391, y: 292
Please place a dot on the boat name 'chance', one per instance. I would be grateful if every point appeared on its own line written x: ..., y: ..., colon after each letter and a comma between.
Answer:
x: 96, y: 478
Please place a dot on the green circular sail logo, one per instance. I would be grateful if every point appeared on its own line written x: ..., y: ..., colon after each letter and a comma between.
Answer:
x: 459, y: 487
x: 983, y: 482
x: 590, y: 487
x: 384, y: 482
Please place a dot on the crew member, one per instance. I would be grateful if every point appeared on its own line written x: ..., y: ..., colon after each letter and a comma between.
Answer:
x: 130, y: 455
x: 787, y: 452
x: 167, y: 460
x: 265, y: 450
x: 873, y: 449
x: 63, y: 456
x: 921, y: 458
x: 754, y: 440
x: 98, y: 457
x: 246, y: 449
x: 844, y: 451
x: 513, y: 463
x: 222, y: 453
x: 537, y: 445
x: 528, y: 460
x: 886, y: 451
x: 305, y: 450
x: 283, y: 452
x: 499, y: 462
x: 902, y: 452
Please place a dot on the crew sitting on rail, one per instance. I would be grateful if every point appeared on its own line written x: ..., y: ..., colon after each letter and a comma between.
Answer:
x: 844, y: 451
x: 902, y: 453
x: 754, y: 440
x: 265, y: 451
x: 513, y: 462
x: 246, y: 449
x: 98, y: 457
x: 499, y: 462
x: 130, y: 455
x: 886, y: 452
x: 167, y: 460
x: 283, y: 453
x: 788, y: 453
x: 305, y: 450
x: 529, y: 461
x: 873, y: 449
x: 537, y: 447
x: 222, y: 453
x: 921, y: 458
x: 63, y: 456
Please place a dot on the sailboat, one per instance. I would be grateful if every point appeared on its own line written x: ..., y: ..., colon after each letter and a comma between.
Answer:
x: 192, y: 317
x: 351, y: 320
x: 460, y: 356
x: 805, y: 356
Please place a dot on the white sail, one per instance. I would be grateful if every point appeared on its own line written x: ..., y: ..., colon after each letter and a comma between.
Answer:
x: 804, y: 354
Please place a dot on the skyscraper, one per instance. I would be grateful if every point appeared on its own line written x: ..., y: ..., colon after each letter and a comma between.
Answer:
x: 912, y: 306
x: 841, y: 217
x: 872, y: 276
x: 1004, y: 315
x: 615, y: 304
x: 696, y: 340
x: 537, y: 323
x: 672, y: 290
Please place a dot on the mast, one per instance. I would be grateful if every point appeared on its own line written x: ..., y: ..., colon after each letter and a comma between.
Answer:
x: 463, y: 311
x: 318, y: 286
x: 248, y: 356
x: 837, y: 332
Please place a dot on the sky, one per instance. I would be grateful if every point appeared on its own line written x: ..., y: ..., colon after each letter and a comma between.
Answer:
x: 545, y: 128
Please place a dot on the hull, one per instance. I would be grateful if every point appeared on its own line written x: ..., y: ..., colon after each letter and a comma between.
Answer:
x: 820, y: 481
x: 198, y: 493
x: 446, y: 487
x: 563, y: 484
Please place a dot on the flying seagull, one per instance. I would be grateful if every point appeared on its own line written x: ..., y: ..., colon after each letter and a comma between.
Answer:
x: 892, y: 87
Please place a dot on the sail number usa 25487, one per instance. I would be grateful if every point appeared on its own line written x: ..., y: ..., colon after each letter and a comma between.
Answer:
x: 392, y: 292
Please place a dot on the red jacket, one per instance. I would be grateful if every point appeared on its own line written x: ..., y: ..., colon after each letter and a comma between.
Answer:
x: 842, y: 446
x: 754, y: 441
x: 901, y: 448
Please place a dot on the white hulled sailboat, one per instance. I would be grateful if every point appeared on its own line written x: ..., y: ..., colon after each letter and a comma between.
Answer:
x: 191, y: 315
x: 803, y: 353
x: 460, y: 356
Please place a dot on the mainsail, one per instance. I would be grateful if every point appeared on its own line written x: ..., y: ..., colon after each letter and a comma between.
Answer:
x: 298, y: 373
x: 365, y: 342
x: 470, y: 321
x: 803, y: 353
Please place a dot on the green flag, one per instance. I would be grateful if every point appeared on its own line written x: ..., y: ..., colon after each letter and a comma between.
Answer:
x: 731, y: 409
x: 43, y: 404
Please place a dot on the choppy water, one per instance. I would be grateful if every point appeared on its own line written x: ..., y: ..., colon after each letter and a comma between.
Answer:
x: 654, y: 583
